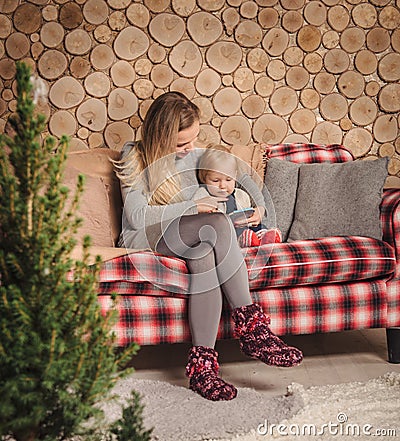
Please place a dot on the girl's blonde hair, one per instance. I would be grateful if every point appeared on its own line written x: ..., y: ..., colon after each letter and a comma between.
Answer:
x: 217, y: 157
x: 169, y: 114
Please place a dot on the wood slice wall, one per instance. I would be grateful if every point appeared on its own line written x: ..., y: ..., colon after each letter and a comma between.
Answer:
x: 261, y: 70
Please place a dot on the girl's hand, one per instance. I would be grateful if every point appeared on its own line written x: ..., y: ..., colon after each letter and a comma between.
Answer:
x: 253, y: 220
x: 209, y: 204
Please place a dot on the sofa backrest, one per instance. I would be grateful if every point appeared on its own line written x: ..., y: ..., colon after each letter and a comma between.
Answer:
x: 304, y: 153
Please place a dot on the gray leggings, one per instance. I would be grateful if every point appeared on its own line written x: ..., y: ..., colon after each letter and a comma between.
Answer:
x: 208, y: 243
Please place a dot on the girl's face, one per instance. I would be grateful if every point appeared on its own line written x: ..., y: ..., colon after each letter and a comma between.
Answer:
x: 187, y: 139
x: 219, y: 184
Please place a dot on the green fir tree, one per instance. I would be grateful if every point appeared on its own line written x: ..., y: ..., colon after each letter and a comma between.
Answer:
x: 57, y: 352
x: 130, y: 426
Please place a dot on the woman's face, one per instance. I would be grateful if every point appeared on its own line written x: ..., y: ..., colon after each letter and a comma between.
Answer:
x: 186, y: 140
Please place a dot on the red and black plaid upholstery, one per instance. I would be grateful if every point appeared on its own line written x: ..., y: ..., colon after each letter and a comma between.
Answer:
x: 307, y: 262
x: 390, y: 219
x: 326, y: 260
x: 148, y: 320
x: 325, y: 285
x: 308, y: 153
x: 325, y: 308
x: 144, y: 273
x: 151, y: 320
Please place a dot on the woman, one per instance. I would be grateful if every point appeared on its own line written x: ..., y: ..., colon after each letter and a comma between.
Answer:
x: 158, y: 179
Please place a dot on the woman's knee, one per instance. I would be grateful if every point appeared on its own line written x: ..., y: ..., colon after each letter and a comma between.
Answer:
x: 201, y: 260
x: 219, y: 227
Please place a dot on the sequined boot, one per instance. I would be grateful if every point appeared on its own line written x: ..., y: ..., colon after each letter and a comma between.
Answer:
x: 202, y: 370
x: 258, y: 341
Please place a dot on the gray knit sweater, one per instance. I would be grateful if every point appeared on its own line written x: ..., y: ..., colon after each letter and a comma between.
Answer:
x: 143, y: 224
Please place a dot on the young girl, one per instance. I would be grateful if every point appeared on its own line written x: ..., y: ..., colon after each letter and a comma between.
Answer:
x: 158, y: 180
x: 217, y: 171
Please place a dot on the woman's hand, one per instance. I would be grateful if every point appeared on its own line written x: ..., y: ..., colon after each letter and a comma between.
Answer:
x: 253, y: 220
x: 209, y: 204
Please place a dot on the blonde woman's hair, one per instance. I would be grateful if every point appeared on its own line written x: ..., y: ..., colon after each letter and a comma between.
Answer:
x: 169, y: 114
x: 217, y: 157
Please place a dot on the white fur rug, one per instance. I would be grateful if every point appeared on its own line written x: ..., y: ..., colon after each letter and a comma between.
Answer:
x: 360, y: 411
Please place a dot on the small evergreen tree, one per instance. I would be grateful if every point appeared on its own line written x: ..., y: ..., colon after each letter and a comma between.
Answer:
x: 130, y: 426
x: 57, y: 355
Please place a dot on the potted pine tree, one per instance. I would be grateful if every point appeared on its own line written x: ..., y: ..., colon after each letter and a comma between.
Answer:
x: 57, y: 354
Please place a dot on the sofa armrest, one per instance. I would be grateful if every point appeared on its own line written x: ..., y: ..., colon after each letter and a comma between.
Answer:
x: 105, y: 253
x: 390, y: 219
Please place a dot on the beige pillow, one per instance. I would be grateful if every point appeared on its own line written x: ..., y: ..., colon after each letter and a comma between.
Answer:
x: 100, y: 204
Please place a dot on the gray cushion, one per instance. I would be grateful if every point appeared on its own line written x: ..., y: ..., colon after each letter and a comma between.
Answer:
x: 281, y: 179
x: 339, y: 199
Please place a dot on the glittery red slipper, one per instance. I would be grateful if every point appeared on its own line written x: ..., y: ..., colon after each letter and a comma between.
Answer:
x: 202, y: 370
x: 258, y: 341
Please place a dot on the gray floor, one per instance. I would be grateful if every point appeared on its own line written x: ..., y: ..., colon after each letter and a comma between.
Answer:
x: 328, y: 359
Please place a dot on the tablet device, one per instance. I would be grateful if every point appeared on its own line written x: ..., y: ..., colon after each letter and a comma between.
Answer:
x: 238, y: 215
